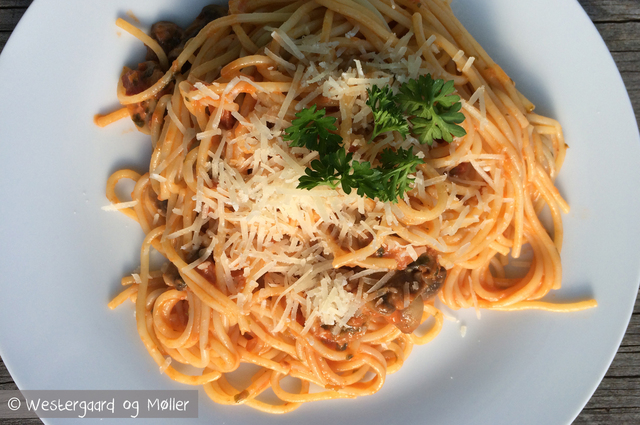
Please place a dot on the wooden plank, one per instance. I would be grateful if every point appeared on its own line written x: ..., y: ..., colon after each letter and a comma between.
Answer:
x: 626, y: 416
x: 612, y: 10
x: 632, y: 82
x: 9, y: 18
x: 621, y: 37
x: 21, y: 422
x: 623, y: 41
x: 15, y: 3
x: 6, y: 381
x: 10, y: 13
x: 616, y: 393
x: 631, y: 342
x: 4, y: 36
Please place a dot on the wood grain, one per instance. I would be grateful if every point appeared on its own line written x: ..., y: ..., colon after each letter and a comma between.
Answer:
x: 19, y: 4
x: 612, y: 10
x: 617, y: 399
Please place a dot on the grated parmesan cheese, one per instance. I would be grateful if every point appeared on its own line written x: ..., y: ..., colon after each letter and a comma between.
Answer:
x: 287, y: 43
x: 206, y: 91
x: 468, y: 65
x: 279, y: 60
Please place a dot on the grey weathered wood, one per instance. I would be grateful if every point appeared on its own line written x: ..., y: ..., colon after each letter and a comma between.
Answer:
x: 4, y: 36
x: 621, y: 36
x: 22, y: 4
x: 9, y: 18
x: 617, y: 399
x: 6, y: 381
x: 623, y: 40
x: 612, y: 10
x: 10, y: 13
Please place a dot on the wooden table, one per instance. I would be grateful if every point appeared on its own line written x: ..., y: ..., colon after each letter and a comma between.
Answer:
x: 617, y: 399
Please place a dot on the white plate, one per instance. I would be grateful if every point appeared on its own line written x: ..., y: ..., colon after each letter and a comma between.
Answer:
x: 62, y: 256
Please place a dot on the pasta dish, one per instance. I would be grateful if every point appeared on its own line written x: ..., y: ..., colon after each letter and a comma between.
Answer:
x: 324, y: 175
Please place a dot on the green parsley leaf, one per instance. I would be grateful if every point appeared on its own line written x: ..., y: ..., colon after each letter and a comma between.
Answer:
x: 396, y: 167
x: 312, y: 130
x: 365, y: 179
x: 328, y: 170
x: 435, y: 109
x: 335, y: 167
x: 434, y: 113
x: 387, y: 115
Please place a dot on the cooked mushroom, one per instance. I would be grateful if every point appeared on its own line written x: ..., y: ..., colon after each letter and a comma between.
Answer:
x: 408, y: 319
x: 172, y: 277
x: 167, y: 34
x: 208, y: 14
x: 172, y: 39
x: 404, y: 294
x: 401, y: 302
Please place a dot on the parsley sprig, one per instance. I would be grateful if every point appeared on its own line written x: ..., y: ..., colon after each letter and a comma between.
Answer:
x: 425, y: 107
x: 436, y: 109
x: 335, y: 167
x: 433, y: 109
x: 312, y: 130
x: 387, y: 115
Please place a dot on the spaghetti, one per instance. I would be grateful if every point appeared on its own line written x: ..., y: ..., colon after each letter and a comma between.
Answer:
x: 319, y: 285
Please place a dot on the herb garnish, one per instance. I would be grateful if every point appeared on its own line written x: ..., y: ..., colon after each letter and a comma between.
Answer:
x: 433, y: 114
x: 436, y: 110
x: 312, y: 129
x: 387, y: 115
